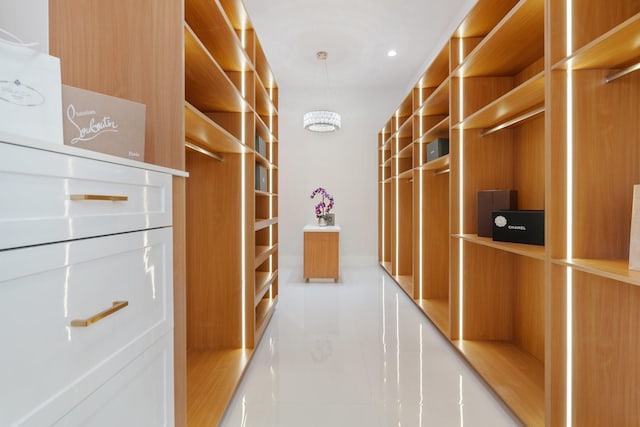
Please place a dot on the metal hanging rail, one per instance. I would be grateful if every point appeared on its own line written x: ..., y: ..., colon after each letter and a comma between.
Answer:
x: 514, y: 121
x: 622, y: 73
x: 203, y: 151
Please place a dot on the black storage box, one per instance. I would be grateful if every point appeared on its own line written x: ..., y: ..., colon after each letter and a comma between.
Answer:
x: 493, y: 200
x: 261, y: 178
x: 519, y: 227
x: 437, y: 148
x: 261, y: 147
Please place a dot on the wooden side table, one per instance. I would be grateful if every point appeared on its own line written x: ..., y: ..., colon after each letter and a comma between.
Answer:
x: 321, y: 252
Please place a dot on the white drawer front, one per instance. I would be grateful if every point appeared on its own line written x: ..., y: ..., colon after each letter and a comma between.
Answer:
x: 139, y: 395
x: 52, y: 365
x: 37, y: 188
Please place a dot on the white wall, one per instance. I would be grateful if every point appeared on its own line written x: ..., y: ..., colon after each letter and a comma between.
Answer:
x: 27, y: 20
x: 343, y: 162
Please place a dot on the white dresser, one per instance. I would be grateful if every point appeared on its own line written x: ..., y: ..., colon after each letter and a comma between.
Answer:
x: 86, y: 289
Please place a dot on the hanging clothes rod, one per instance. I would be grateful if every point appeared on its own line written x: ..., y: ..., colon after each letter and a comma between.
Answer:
x: 514, y: 121
x: 622, y: 73
x: 440, y: 172
x: 203, y: 151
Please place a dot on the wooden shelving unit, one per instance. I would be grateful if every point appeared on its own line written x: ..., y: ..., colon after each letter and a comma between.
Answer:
x: 232, y: 225
x: 593, y: 296
x: 505, y: 90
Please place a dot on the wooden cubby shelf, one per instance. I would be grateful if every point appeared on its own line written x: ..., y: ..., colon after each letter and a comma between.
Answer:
x: 264, y: 193
x: 406, y: 282
x: 202, y: 73
x: 438, y: 102
x: 264, y: 252
x: 438, y: 165
x: 531, y: 251
x: 213, y: 373
x: 264, y: 223
x: 514, y: 43
x: 207, y: 134
x: 611, y: 269
x: 441, y: 128
x: 408, y: 174
x: 522, y: 99
x: 232, y: 285
x: 263, y: 283
x: 437, y: 310
x: 264, y: 311
x: 215, y: 32
x: 499, y: 91
x: 617, y: 48
x: 514, y: 375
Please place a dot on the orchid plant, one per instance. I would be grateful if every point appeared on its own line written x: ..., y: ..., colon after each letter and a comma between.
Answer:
x: 326, y: 203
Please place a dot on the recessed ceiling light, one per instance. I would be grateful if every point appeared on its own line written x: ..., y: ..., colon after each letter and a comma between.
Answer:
x: 392, y: 53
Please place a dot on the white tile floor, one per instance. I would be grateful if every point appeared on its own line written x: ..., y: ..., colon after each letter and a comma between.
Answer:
x: 357, y: 353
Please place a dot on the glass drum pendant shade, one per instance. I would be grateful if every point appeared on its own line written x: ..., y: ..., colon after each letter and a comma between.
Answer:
x: 322, y: 121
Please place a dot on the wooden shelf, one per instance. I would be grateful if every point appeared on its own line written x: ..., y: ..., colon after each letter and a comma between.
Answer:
x: 408, y: 174
x: 264, y: 223
x: 264, y: 106
x: 617, y: 48
x: 260, y: 159
x: 202, y: 74
x: 438, y: 102
x: 403, y: 112
x: 386, y: 265
x: 531, y: 251
x: 212, y: 27
x: 610, y: 269
x: 263, y: 129
x: 438, y: 165
x: 265, y: 194
x: 213, y: 376
x: 263, y: 252
x: 236, y: 13
x: 514, y: 375
x: 483, y: 18
x: 438, y: 70
x: 264, y: 311
x: 405, y: 153
x: 230, y: 92
x: 263, y: 283
x: 515, y: 43
x: 523, y: 98
x: 437, y: 310
x: 205, y: 133
x: 406, y: 283
x: 263, y: 70
x: 404, y: 131
x: 441, y: 129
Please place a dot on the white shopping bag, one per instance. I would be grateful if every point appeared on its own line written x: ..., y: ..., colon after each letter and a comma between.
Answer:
x: 634, y: 246
x: 30, y: 93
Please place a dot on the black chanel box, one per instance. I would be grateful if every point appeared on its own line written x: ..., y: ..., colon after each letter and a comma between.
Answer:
x: 437, y: 148
x: 519, y: 227
x: 493, y: 200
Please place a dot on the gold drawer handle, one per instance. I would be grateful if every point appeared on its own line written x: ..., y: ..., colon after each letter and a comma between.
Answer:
x: 117, y: 305
x: 98, y: 197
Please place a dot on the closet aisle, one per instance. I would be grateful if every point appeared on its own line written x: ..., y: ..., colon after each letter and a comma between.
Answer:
x: 357, y: 353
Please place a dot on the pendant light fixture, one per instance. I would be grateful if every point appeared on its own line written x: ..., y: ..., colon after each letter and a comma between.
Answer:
x: 322, y: 120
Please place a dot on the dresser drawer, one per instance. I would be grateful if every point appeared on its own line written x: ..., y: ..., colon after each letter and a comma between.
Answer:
x: 52, y: 197
x: 45, y: 289
x: 139, y: 395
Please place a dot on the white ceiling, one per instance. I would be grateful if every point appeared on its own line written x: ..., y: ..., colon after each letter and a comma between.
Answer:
x: 357, y: 34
